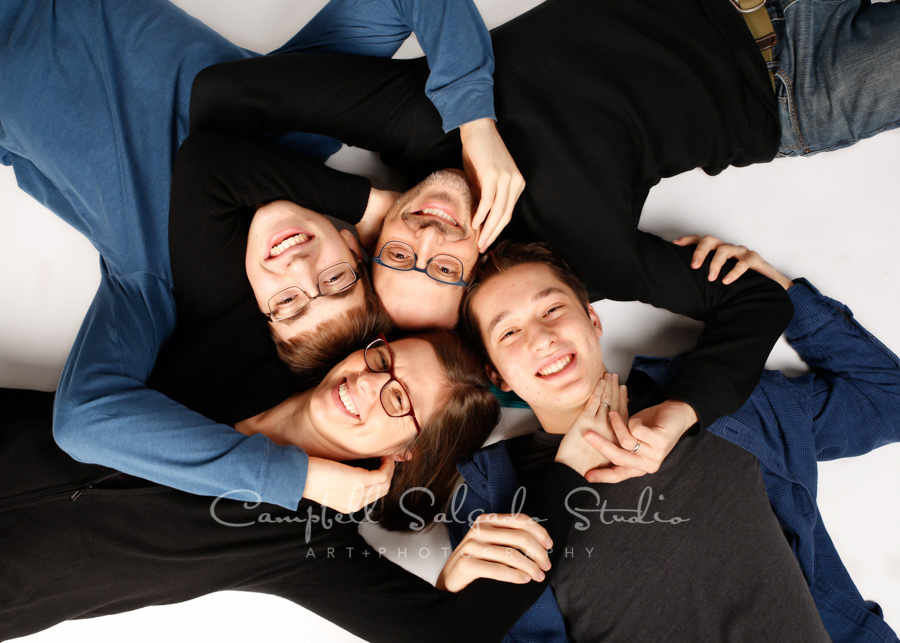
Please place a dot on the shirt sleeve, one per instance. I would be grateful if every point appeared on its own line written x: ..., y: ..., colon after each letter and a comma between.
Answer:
x: 397, y: 606
x: 742, y: 320
x: 451, y: 33
x: 104, y: 412
x: 855, y: 401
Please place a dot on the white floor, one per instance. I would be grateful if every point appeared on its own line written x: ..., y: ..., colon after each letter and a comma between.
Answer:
x: 831, y: 218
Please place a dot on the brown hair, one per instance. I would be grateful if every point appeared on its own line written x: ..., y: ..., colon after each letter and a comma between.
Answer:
x: 311, y: 354
x: 503, y: 257
x: 467, y: 414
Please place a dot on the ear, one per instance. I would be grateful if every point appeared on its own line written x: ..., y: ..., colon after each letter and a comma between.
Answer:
x: 351, y: 241
x: 595, y: 321
x: 494, y: 376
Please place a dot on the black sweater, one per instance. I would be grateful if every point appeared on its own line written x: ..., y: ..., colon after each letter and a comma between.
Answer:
x: 597, y: 102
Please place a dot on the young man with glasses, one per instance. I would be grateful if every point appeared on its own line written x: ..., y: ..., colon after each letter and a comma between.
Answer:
x: 102, y: 161
x: 592, y: 139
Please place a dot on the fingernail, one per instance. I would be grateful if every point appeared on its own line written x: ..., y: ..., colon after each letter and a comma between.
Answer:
x: 540, y: 576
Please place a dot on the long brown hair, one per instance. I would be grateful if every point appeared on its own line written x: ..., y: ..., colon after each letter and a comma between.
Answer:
x: 467, y: 414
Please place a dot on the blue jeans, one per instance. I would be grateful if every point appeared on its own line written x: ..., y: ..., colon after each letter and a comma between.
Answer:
x: 837, y: 72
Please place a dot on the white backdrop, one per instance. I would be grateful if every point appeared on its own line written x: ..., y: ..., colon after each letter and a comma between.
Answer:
x: 832, y: 218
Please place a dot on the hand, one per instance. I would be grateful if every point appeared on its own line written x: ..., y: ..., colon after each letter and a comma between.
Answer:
x: 643, y: 442
x: 593, y: 420
x: 747, y: 259
x: 507, y: 547
x: 492, y: 171
x: 369, y: 227
x: 344, y: 488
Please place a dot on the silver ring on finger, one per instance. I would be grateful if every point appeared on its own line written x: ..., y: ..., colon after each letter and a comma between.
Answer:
x: 605, y: 404
x: 637, y: 445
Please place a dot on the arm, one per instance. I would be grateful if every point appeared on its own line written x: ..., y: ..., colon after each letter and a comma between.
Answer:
x: 451, y: 33
x: 857, y: 378
x: 855, y: 401
x: 742, y: 322
x: 394, y: 605
x: 105, y: 413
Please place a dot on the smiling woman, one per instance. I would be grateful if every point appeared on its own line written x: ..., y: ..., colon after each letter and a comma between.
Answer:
x: 422, y: 400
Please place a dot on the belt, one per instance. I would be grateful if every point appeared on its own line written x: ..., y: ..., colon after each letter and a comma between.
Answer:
x: 760, y: 26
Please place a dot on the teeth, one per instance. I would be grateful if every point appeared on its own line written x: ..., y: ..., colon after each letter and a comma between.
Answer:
x: 287, y: 243
x: 346, y: 399
x: 556, y: 366
x: 438, y: 213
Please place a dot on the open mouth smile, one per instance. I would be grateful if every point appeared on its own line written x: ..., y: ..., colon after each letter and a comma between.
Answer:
x: 439, y: 213
x: 346, y: 400
x: 556, y: 366
x: 286, y: 241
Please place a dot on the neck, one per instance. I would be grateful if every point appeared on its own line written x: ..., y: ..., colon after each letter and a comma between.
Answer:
x: 286, y: 423
x: 559, y: 420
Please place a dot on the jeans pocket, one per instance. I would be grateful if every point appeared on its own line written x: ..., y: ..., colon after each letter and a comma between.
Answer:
x: 792, y: 143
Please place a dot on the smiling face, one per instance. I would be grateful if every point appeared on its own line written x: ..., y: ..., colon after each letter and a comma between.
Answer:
x: 434, y: 218
x: 541, y: 340
x: 346, y: 409
x: 289, y: 245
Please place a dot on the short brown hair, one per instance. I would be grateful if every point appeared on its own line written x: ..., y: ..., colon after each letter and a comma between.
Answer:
x: 503, y: 257
x: 422, y: 487
x: 311, y: 354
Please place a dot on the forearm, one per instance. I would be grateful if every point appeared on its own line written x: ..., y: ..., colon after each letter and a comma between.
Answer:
x: 370, y: 103
x: 451, y: 33
x: 742, y: 322
x: 458, y: 48
x: 827, y: 336
x: 105, y: 414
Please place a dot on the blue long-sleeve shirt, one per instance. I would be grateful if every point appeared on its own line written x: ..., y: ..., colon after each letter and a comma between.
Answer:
x: 848, y: 405
x: 106, y: 169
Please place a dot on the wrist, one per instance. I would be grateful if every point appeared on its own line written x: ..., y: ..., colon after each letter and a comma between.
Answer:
x: 476, y: 128
x: 686, y: 412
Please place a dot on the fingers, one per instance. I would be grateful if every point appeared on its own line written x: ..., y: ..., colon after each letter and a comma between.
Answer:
x: 687, y: 240
x: 507, y: 547
x: 374, y: 485
x: 624, y: 453
x: 509, y: 187
x: 474, y: 567
x: 749, y: 260
x: 486, y: 203
x: 613, y: 474
x: 517, y: 521
x: 704, y: 246
x: 595, y: 402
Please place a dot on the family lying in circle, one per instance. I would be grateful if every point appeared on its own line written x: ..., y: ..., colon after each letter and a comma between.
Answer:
x: 272, y: 330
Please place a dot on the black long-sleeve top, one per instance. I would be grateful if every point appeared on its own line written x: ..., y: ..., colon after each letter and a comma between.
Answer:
x: 597, y: 102
x: 221, y: 362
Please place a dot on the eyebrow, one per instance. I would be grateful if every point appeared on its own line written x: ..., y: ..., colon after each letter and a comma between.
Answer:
x: 546, y: 292
x: 416, y: 272
x: 339, y: 295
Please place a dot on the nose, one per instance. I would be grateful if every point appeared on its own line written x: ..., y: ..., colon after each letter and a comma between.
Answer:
x: 428, y: 242
x: 369, y: 385
x: 299, y: 274
x: 541, y: 337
